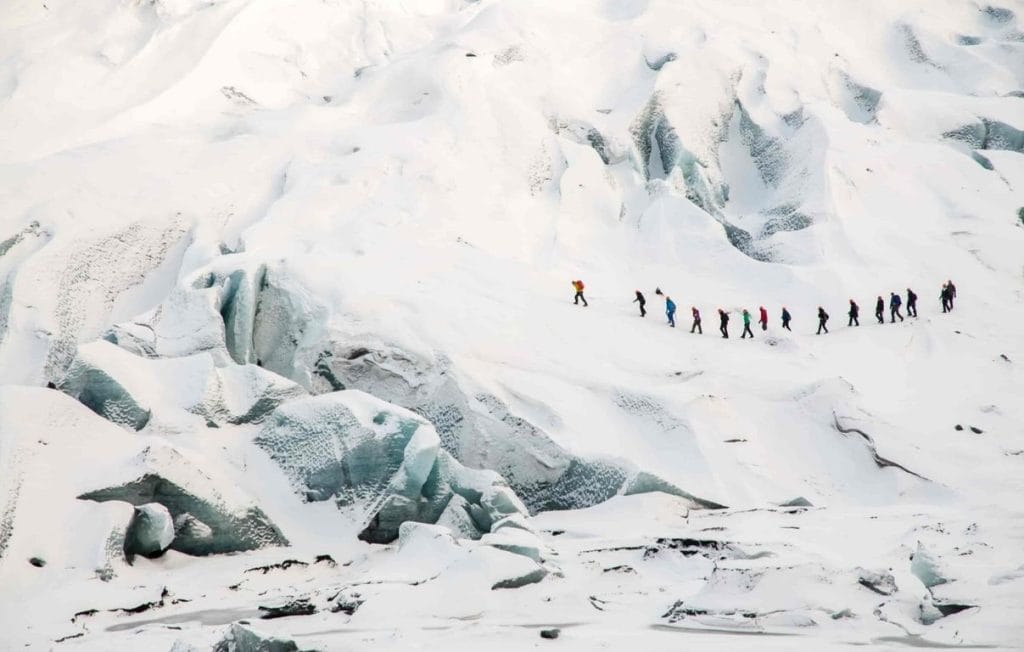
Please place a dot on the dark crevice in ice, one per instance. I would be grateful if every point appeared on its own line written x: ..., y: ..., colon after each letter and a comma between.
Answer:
x: 879, y: 460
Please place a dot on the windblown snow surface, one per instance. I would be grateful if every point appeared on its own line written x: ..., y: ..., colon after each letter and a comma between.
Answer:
x: 289, y: 358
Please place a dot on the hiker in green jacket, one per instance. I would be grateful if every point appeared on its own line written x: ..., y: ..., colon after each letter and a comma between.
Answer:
x: 746, y: 325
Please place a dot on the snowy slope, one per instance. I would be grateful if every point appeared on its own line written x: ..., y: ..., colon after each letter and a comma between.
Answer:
x: 211, y: 210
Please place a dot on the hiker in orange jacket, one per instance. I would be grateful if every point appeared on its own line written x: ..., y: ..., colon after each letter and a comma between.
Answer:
x: 578, y: 286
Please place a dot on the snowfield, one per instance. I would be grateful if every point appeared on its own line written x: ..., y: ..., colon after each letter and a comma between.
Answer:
x: 289, y: 358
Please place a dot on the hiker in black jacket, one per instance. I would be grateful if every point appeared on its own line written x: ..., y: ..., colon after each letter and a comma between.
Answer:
x: 723, y: 323
x: 880, y: 310
x: 822, y: 318
x: 911, y: 303
x: 854, y: 311
x: 786, y: 317
x: 642, y: 301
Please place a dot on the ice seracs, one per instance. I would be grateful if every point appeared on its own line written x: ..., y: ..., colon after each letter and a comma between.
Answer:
x: 383, y: 461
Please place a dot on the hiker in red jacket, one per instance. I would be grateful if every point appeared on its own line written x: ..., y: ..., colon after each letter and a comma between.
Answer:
x: 764, y: 319
x: 696, y: 320
x: 578, y: 286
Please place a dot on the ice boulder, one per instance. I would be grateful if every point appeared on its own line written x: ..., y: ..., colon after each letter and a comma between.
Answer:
x: 239, y: 638
x: 516, y: 541
x: 358, y: 450
x: 150, y: 531
x: 210, y: 516
x: 128, y: 390
x: 925, y: 568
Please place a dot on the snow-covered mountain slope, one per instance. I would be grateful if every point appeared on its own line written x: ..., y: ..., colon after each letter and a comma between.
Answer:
x: 297, y: 276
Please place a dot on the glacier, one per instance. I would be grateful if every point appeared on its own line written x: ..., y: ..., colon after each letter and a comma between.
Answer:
x: 288, y: 355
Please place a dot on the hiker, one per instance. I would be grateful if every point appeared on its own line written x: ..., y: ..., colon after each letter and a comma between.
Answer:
x: 894, y: 307
x: 746, y: 325
x: 822, y: 318
x: 696, y: 320
x: 880, y: 310
x: 786, y: 317
x: 911, y: 303
x: 642, y: 301
x: 764, y: 319
x: 670, y: 310
x: 578, y: 286
x: 854, y: 312
x: 723, y: 323
x: 944, y: 296
x: 952, y: 293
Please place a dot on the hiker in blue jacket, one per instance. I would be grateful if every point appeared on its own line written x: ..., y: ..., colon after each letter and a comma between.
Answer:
x: 894, y: 307
x: 670, y: 311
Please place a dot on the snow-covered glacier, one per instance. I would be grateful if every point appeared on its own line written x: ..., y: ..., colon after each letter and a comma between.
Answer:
x: 289, y: 357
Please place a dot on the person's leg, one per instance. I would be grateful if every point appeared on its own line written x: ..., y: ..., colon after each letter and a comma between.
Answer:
x: 700, y: 331
x: 856, y: 322
x: 898, y: 314
x: 849, y: 322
